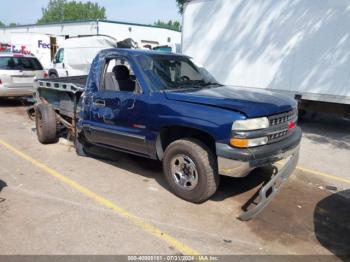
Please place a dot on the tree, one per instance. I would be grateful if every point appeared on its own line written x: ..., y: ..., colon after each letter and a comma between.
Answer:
x: 174, y: 25
x: 180, y: 5
x: 2, y: 24
x: 63, y: 10
x: 13, y: 24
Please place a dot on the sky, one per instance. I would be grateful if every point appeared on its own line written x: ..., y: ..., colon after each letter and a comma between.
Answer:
x: 137, y: 11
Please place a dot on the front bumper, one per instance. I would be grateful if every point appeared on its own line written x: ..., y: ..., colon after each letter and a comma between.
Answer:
x: 240, y: 162
x: 236, y: 162
x: 269, y: 189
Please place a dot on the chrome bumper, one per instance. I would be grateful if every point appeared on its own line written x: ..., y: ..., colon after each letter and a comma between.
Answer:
x: 237, y: 168
x: 269, y: 189
x: 233, y: 168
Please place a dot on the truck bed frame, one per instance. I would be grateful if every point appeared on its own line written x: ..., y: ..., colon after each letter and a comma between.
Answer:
x: 62, y: 93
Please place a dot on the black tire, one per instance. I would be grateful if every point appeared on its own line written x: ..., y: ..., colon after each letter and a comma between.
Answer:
x: 206, y: 166
x: 53, y: 75
x: 80, y: 147
x: 46, y: 124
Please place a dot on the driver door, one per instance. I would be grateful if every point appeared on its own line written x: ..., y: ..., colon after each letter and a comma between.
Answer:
x: 118, y: 110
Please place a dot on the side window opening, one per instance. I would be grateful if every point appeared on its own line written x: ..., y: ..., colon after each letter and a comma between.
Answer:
x: 118, y: 76
x: 59, y: 56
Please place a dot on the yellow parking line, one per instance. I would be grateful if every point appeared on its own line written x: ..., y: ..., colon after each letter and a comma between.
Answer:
x: 317, y: 173
x: 184, y: 249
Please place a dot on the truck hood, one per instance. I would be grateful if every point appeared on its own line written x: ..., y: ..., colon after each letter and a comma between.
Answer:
x: 252, y: 102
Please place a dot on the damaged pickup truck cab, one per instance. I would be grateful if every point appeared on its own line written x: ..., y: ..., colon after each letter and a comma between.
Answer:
x: 162, y: 106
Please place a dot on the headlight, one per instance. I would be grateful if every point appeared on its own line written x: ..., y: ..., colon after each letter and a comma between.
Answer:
x: 250, y: 124
x: 251, y: 142
x: 247, y: 125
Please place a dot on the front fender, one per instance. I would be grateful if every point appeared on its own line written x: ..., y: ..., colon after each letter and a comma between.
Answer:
x: 215, y: 121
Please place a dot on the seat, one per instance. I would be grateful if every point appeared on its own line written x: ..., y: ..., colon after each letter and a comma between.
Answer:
x: 122, y: 75
x: 111, y: 82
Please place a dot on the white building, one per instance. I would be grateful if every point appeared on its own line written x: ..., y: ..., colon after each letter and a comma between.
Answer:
x: 142, y: 34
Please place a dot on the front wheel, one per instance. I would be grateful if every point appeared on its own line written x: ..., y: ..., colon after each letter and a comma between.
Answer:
x: 190, y: 169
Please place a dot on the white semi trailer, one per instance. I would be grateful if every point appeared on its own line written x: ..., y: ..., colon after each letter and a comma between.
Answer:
x: 297, y: 47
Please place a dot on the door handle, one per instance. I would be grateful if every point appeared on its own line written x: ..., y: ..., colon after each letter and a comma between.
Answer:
x: 132, y: 105
x: 99, y: 103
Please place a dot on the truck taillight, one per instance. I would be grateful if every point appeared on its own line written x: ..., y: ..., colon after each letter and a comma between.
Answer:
x: 46, y: 75
x: 0, y: 82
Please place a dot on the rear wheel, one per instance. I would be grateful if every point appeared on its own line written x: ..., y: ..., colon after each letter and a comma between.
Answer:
x: 46, y: 124
x: 190, y: 169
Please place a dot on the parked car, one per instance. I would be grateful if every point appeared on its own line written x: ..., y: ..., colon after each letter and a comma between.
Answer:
x: 18, y: 73
x: 161, y: 106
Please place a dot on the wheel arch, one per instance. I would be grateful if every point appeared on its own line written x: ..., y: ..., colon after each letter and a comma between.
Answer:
x: 53, y: 71
x: 169, y: 134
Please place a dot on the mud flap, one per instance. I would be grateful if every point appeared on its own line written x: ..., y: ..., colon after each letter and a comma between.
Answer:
x: 269, y: 189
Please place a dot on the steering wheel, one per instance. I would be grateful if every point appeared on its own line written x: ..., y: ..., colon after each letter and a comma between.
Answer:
x: 184, y: 78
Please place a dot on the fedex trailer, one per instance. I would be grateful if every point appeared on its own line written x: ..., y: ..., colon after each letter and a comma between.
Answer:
x: 41, y: 45
x: 298, y: 48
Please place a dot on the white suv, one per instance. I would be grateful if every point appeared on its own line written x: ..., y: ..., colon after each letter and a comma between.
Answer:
x: 18, y: 73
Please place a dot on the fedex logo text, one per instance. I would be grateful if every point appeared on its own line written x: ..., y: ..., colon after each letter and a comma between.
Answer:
x: 17, y: 49
x: 41, y: 44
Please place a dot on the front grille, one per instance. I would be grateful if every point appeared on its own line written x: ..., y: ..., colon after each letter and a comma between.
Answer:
x: 277, y: 135
x: 280, y: 119
x: 278, y: 129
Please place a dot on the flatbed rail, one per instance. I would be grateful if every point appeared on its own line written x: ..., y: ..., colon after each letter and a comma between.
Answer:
x: 71, y: 84
x: 62, y: 94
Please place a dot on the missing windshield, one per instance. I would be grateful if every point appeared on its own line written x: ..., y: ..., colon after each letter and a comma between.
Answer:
x: 175, y: 72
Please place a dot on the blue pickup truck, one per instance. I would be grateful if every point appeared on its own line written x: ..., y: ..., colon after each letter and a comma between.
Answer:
x: 162, y: 106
